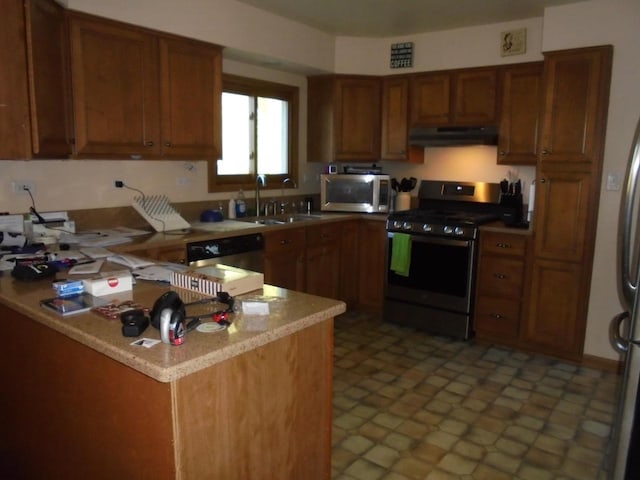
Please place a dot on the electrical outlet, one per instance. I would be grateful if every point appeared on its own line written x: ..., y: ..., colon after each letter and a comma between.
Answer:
x: 21, y: 186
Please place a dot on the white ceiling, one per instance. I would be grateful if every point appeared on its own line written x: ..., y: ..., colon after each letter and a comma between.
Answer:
x: 389, y: 18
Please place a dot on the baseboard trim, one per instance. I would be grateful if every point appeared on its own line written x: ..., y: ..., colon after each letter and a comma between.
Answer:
x: 600, y: 363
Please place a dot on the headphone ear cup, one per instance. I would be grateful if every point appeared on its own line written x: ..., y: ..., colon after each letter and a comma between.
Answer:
x: 170, y: 300
x: 165, y: 320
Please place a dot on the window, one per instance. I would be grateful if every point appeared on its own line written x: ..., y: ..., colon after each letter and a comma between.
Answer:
x: 259, y: 134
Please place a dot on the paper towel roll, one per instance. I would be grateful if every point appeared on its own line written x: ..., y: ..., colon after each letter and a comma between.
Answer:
x: 532, y: 198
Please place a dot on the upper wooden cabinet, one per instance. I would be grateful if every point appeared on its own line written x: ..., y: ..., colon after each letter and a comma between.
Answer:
x: 520, y: 114
x: 191, y: 102
x: 143, y: 95
x: 35, y: 118
x: 574, y: 123
x: 457, y: 97
x: 343, y: 119
x: 395, y: 118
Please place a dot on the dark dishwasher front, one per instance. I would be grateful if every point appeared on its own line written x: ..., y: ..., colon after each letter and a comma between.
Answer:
x: 244, y: 251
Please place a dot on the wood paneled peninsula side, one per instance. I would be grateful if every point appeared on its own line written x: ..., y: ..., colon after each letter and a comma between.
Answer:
x: 79, y: 401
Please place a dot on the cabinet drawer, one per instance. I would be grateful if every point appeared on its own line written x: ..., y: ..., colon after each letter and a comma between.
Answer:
x: 290, y: 240
x: 501, y: 276
x: 321, y: 234
x: 503, y: 243
x: 497, y: 316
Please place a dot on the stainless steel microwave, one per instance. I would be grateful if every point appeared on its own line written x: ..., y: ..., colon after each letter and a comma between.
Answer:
x: 355, y: 193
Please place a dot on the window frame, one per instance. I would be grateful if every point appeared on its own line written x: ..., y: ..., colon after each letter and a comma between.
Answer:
x: 260, y: 88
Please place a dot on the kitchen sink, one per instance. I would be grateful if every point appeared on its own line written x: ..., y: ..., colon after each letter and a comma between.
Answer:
x: 281, y: 219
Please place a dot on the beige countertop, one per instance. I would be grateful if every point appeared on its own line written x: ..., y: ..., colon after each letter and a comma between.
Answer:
x: 500, y: 227
x: 289, y: 312
x: 232, y: 228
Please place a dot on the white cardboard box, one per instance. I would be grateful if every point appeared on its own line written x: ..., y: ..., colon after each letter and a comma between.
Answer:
x: 218, y: 278
x: 109, y: 282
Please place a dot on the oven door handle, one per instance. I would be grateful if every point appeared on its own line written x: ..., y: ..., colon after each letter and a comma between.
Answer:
x: 435, y: 240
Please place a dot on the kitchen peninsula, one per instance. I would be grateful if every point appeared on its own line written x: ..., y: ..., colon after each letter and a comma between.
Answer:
x: 78, y: 400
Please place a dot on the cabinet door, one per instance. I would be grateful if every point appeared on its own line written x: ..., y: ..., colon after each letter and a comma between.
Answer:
x: 49, y: 96
x: 556, y: 319
x: 475, y: 95
x: 114, y: 72
x: 395, y: 118
x: 349, y: 271
x: 15, y: 141
x: 565, y: 208
x: 191, y: 86
x: 323, y: 260
x: 357, y: 119
x: 430, y: 99
x: 284, y: 258
x: 372, y: 264
x: 323, y: 270
x: 520, y: 117
x: 574, y: 123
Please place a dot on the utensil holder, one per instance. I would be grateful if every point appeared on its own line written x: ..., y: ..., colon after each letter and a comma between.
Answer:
x: 403, y: 201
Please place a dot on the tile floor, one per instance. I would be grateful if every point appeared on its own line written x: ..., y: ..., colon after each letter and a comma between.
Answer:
x: 408, y: 405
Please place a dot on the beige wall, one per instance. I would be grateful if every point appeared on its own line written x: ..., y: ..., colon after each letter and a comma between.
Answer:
x: 247, y: 33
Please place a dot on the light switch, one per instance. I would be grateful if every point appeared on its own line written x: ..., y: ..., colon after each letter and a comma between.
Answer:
x: 614, y: 181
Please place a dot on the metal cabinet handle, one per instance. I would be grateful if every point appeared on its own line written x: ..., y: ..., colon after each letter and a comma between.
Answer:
x: 149, y: 144
x: 543, y: 180
x: 503, y: 245
x: 545, y: 152
x: 168, y: 144
x: 502, y: 153
x: 501, y: 276
x: 497, y: 316
x: 284, y: 242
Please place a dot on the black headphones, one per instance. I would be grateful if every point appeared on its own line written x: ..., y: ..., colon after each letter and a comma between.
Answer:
x: 168, y: 315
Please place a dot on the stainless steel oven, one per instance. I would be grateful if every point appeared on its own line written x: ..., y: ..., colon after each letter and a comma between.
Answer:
x: 437, y: 292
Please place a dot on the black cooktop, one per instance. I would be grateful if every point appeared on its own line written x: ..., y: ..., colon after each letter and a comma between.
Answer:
x: 444, y: 217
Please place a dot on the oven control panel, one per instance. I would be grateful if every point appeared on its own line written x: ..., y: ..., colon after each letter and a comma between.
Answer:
x: 418, y: 228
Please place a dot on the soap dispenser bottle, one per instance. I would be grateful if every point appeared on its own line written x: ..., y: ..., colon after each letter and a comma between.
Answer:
x: 241, y: 205
x: 232, y: 208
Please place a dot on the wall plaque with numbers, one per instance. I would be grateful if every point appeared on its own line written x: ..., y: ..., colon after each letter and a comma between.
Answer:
x: 402, y: 55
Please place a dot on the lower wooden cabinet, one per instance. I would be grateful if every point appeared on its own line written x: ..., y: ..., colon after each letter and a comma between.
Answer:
x: 323, y: 260
x: 372, y: 250
x: 499, y: 287
x: 555, y: 322
x: 349, y: 265
x: 284, y: 258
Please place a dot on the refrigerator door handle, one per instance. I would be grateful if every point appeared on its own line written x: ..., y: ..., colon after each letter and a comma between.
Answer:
x: 619, y: 342
x: 629, y: 285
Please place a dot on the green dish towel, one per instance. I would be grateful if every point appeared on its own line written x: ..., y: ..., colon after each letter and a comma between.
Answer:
x: 401, y: 253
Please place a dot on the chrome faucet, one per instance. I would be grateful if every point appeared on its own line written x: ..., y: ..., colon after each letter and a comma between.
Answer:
x: 261, y: 180
x: 283, y: 204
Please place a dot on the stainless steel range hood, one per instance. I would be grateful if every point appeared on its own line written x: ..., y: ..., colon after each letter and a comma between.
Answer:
x: 453, y: 136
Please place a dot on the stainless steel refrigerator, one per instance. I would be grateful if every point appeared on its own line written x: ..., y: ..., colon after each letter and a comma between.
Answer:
x: 625, y: 327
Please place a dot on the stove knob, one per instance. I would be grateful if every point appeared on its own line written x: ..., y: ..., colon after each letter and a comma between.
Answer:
x: 459, y: 231
x: 406, y: 226
x: 397, y: 224
x: 426, y: 227
x: 447, y: 230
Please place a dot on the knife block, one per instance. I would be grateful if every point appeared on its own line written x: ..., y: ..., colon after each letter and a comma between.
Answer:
x: 511, y: 204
